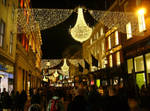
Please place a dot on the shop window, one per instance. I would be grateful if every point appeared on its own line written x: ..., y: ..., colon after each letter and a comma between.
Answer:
x: 139, y: 64
x: 147, y: 56
x: 116, y: 38
x: 130, y: 65
x: 110, y: 61
x: 141, y: 21
x: 140, y: 79
x: 109, y: 42
x: 11, y: 43
x: 2, y: 32
x: 118, y: 58
x: 129, y: 31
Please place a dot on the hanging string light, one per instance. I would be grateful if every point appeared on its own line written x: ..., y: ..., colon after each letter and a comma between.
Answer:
x: 46, y: 18
x: 116, y: 19
x: 52, y: 63
x: 81, y: 32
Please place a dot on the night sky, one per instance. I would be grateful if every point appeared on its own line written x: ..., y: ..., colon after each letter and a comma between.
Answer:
x: 57, y: 39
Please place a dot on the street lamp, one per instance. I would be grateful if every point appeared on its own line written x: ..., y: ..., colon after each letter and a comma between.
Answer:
x: 141, y: 11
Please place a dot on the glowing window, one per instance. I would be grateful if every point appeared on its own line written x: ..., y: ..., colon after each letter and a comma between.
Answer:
x: 118, y: 58
x: 130, y: 65
x: 139, y: 64
x: 116, y: 38
x: 141, y: 21
x: 110, y: 61
x: 129, y: 31
x: 109, y: 42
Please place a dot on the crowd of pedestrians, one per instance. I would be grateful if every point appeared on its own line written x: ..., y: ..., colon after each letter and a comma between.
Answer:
x: 14, y: 101
x: 79, y: 98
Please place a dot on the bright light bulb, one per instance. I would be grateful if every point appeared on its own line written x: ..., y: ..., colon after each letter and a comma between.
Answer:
x: 142, y: 11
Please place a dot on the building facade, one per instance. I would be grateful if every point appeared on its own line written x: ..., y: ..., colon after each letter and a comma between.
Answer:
x: 28, y: 56
x: 8, y: 39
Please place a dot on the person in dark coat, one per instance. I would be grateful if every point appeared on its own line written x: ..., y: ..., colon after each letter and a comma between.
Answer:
x: 23, y: 99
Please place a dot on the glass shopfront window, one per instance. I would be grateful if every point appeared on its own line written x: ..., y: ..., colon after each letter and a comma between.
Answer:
x: 140, y: 79
x: 147, y: 57
x: 139, y: 64
x: 130, y: 65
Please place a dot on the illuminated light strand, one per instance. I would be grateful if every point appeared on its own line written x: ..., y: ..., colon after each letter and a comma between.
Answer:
x: 46, y: 18
x: 75, y: 62
x: 53, y: 62
x: 81, y: 31
x: 117, y: 19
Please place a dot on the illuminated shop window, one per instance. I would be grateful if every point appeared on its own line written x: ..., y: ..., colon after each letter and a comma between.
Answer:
x: 130, y: 65
x: 141, y: 21
x: 116, y: 38
x: 110, y: 61
x: 147, y: 56
x: 139, y: 64
x: 118, y: 58
x: 129, y: 31
x: 109, y: 42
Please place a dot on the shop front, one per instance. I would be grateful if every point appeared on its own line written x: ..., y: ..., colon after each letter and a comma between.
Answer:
x: 138, y: 63
x: 6, y: 77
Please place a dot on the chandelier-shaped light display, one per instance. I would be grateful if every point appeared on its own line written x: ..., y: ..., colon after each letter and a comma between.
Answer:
x: 45, y: 79
x: 56, y: 74
x: 81, y: 32
x: 65, y: 67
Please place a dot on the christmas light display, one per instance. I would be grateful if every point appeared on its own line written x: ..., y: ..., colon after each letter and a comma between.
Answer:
x: 81, y: 32
x: 116, y: 19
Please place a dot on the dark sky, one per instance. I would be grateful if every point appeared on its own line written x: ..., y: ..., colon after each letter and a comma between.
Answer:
x: 57, y: 39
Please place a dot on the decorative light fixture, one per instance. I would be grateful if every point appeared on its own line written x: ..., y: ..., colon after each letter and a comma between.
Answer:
x: 81, y: 32
x: 56, y: 74
x: 65, y: 67
x: 44, y: 79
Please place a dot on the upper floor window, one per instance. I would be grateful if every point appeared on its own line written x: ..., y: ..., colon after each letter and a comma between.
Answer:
x: 141, y: 21
x: 109, y: 42
x: 4, y: 2
x: 102, y: 31
x: 11, y: 43
x: 116, y: 38
x: 2, y: 32
x: 13, y: 12
x: 110, y: 61
x: 138, y: 2
x: 129, y: 31
x: 118, y: 58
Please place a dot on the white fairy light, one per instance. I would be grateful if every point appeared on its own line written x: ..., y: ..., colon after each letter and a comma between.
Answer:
x: 53, y: 62
x: 76, y: 62
x: 46, y: 18
x: 116, y: 19
x: 81, y: 32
